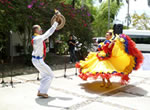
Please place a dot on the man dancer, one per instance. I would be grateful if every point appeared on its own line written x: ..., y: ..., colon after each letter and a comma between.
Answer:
x: 38, y: 56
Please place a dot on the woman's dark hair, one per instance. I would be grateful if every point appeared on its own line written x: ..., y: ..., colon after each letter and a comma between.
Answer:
x: 110, y: 33
x: 70, y: 35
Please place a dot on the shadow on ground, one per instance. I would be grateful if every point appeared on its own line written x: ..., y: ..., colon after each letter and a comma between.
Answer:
x: 94, y: 88
x: 46, y: 101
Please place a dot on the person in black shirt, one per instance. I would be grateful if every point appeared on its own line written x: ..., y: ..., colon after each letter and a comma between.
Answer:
x: 72, y: 45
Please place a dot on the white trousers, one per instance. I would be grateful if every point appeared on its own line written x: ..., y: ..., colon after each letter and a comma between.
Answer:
x: 45, y: 73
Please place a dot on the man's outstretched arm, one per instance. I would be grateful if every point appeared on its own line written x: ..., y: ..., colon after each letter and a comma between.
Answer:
x: 49, y: 32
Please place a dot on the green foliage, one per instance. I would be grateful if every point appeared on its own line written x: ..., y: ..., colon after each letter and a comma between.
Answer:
x: 141, y: 22
x: 101, y: 20
x: 20, y: 15
x: 78, y: 23
x: 83, y: 22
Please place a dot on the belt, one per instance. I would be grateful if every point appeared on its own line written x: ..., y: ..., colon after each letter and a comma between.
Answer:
x: 37, y: 57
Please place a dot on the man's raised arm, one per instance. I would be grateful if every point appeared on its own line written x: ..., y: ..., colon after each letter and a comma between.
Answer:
x: 49, y: 32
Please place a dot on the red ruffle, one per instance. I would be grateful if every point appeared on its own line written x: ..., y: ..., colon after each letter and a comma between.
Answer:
x: 124, y: 78
x: 83, y: 76
x: 77, y: 65
x: 135, y: 52
x: 99, y: 49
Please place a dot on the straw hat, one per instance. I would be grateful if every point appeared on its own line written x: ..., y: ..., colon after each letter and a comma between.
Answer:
x: 62, y: 20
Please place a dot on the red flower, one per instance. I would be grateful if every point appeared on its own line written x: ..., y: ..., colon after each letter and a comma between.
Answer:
x: 30, y: 6
x: 42, y: 3
x: 85, y: 25
x: 9, y: 6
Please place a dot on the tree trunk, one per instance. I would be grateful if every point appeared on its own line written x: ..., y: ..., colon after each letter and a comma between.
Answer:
x: 73, y: 3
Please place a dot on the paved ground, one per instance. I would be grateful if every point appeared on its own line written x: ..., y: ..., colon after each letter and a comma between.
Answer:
x: 74, y: 94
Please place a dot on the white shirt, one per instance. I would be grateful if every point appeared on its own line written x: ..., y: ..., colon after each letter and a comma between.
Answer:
x: 38, y: 41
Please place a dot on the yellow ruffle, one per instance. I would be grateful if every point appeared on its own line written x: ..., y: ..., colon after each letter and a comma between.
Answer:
x: 120, y: 61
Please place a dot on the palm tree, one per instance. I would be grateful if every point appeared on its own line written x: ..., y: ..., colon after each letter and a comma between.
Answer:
x: 118, y: 2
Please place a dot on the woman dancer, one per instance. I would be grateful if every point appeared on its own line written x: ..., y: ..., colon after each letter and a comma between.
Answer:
x: 116, y: 57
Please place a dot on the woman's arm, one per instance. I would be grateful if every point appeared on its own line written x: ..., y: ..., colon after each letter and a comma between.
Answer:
x: 111, y: 44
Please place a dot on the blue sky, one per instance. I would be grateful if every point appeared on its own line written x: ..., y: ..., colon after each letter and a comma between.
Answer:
x: 140, y: 6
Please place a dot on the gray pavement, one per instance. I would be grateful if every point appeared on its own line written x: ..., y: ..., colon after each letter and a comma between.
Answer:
x: 72, y: 93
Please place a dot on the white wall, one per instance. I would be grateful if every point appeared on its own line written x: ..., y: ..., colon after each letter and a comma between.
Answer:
x: 15, y: 41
